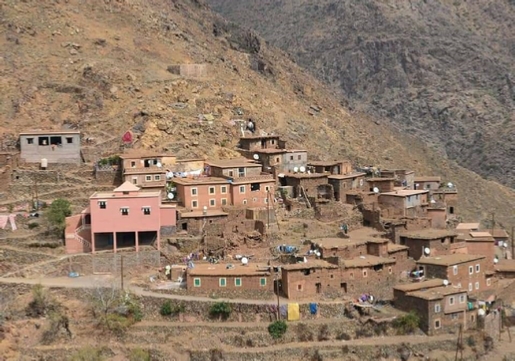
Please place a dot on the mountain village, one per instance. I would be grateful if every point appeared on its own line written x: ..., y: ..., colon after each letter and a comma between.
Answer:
x: 395, y: 237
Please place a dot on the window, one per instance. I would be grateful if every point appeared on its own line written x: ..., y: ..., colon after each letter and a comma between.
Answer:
x: 262, y: 282
x: 211, y: 190
x: 69, y: 140
x: 451, y: 301
x: 237, y: 282
x: 244, y: 201
x: 299, y: 287
x: 56, y: 140
x: 454, y: 316
x: 255, y: 187
x: 254, y: 200
x: 223, y: 189
x: 194, y: 191
x: 146, y: 211
x: 488, y: 281
x: 224, y: 201
x: 266, y: 200
x: 299, y: 157
x: 242, y: 189
x: 365, y: 273
x: 134, y: 180
x: 477, y: 285
x: 133, y: 164
x: 471, y: 270
x: 43, y: 140
x: 267, y: 189
x: 222, y: 282
x: 277, y: 160
x: 291, y: 157
x: 148, y: 178
x: 351, y: 275
x: 332, y: 276
x: 470, y: 287
x: 194, y: 204
x: 157, y: 177
x: 437, y: 324
x: 390, y: 270
x: 455, y: 270
x: 462, y: 298
x: 125, y: 211
x: 196, y: 282
x: 30, y: 140
x: 241, y: 172
x: 212, y: 202
x: 231, y: 173
x: 477, y: 268
x: 438, y: 308
x: 102, y: 204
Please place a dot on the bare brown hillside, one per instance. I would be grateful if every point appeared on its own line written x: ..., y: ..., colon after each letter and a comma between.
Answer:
x: 101, y: 67
x: 442, y: 70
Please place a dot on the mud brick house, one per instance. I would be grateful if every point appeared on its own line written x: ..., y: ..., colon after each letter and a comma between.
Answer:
x: 194, y: 222
x: 437, y: 213
x: 340, y: 247
x: 448, y: 196
x: 345, y: 183
x: 343, y: 167
x: 304, y: 280
x: 229, y: 277
x: 125, y: 217
x: 311, y: 185
x: 369, y: 274
x: 54, y: 146
x: 403, y: 178
x: 437, y: 241
x: 272, y: 153
x: 466, y: 228
x: 505, y: 268
x: 500, y: 235
x: 145, y: 169
x: 430, y: 183
x: 397, y: 252
x: 481, y: 243
x: 199, y: 192
x: 9, y: 161
x: 462, y: 270
x: 404, y: 203
x: 384, y: 185
x: 441, y: 308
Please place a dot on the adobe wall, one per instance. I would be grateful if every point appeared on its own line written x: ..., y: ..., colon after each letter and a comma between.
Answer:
x: 336, y: 211
x: 111, y: 177
x: 212, y: 283
x: 189, y: 70
x: 367, y: 280
x: 39, y: 176
x: 298, y: 285
x: 485, y: 249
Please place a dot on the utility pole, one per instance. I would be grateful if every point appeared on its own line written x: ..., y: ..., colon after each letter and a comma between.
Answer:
x: 121, y: 269
x: 277, y: 292
x: 512, y: 247
x: 493, y: 223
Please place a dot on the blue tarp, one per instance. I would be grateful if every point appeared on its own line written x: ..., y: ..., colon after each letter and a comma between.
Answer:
x: 313, y: 307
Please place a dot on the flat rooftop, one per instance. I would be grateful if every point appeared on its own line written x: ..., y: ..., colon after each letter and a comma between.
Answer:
x: 141, y: 194
x: 201, y: 214
x: 505, y: 265
x: 367, y: 261
x: 480, y: 234
x: 326, y: 163
x: 346, y: 176
x: 49, y: 132
x: 200, y: 180
x: 233, y: 163
x: 225, y: 269
x: 338, y: 242
x: 392, y: 248
x: 378, y: 179
x: 305, y: 175
x: 436, y: 293
x: 449, y: 260
x: 499, y: 233
x: 428, y: 179
x: 404, y: 193
x: 258, y: 137
x: 467, y: 226
x: 141, y: 153
x: 310, y: 264
x: 429, y: 233
x: 417, y: 286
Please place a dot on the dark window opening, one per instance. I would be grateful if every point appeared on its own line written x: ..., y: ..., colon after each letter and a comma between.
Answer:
x: 184, y: 226
x: 442, y: 240
x: 102, y: 205
x: 241, y: 172
x: 146, y: 211
x: 299, y: 157
x: 332, y: 276
x: 319, y: 287
x: 291, y: 157
x: 344, y: 287
x: 133, y: 164
x: 150, y: 162
x: 56, y: 140
x: 306, y: 272
x: 451, y: 210
x: 125, y: 211
x: 255, y: 187
x: 378, y: 267
x: 299, y: 287
x: 30, y: 140
x: 69, y: 140
x: 43, y: 140
x: 126, y: 193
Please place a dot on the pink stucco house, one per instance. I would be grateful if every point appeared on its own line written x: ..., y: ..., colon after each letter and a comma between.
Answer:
x: 125, y: 217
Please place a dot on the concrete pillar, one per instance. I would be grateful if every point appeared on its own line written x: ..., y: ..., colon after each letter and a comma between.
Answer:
x: 92, y: 242
x: 137, y: 240
x: 114, y: 242
x: 158, y: 240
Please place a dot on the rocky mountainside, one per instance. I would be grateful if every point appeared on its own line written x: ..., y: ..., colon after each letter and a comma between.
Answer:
x: 442, y: 70
x: 106, y: 67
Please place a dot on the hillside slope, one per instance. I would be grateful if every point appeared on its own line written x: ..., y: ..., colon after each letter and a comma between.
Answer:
x: 442, y: 70
x: 102, y: 68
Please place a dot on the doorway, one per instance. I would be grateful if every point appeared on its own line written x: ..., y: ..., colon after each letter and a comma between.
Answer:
x: 319, y: 287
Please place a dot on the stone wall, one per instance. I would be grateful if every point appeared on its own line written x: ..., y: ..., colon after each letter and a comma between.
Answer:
x: 40, y: 176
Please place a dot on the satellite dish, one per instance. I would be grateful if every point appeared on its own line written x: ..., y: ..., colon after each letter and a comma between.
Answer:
x: 255, y: 156
x: 361, y: 182
x: 496, y: 260
x: 450, y: 185
x: 244, y: 261
x: 296, y: 169
x: 305, y: 260
x: 445, y: 282
x: 505, y: 244
x: 433, y: 201
x: 169, y: 175
x: 302, y: 169
x: 159, y: 165
x: 281, y: 175
x: 317, y: 253
x: 170, y: 196
x: 427, y: 251
x: 376, y: 190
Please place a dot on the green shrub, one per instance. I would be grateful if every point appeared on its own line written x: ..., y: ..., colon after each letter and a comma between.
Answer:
x: 33, y: 225
x: 87, y: 354
x: 41, y: 303
x: 138, y: 354
x: 277, y: 329
x: 407, y: 323
x: 168, y: 309
x: 222, y: 310
x: 57, y: 213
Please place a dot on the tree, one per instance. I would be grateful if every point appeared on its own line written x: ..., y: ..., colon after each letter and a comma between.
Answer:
x: 222, y: 310
x: 57, y: 213
x: 277, y: 329
x: 407, y: 324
